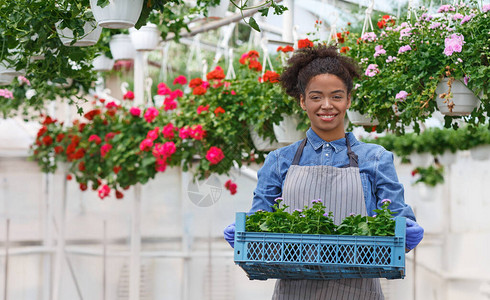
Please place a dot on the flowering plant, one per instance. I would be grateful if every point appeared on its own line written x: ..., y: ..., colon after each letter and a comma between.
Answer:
x: 403, y: 61
x: 314, y: 220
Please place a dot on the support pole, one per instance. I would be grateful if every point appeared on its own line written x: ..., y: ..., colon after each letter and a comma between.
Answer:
x: 288, y: 21
x: 139, y: 78
x: 60, y: 246
x: 135, y: 262
x: 7, y: 245
x: 185, y: 236
x: 47, y: 237
x: 104, y: 262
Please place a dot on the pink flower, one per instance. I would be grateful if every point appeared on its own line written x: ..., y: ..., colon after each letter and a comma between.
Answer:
x: 184, y: 132
x: 205, y: 84
x: 22, y: 80
x: 111, y: 104
x: 150, y: 114
x: 402, y: 95
x: 104, y: 191
x: 129, y: 95
x: 160, y: 165
x: 146, y: 145
x: 369, y: 37
x: 153, y: 134
x: 391, y: 58
x: 466, y: 78
x: 214, y: 155
x: 404, y: 48
x: 135, y: 111
x: 457, y: 16
x: 169, y: 104
x: 6, y: 94
x: 162, y: 89
x: 486, y: 7
x: 105, y: 149
x: 231, y: 186
x: 454, y: 43
x: 372, y: 70
x: 168, y: 131
x: 196, y: 132
x: 233, y: 92
x: 434, y: 25
x: 95, y: 138
x: 180, y: 80
x: 109, y: 136
x: 467, y: 18
x: 164, y: 151
x: 379, y: 50
x: 201, y: 109
x: 177, y: 93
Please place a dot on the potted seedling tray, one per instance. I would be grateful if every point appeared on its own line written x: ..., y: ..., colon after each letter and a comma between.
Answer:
x: 315, y: 256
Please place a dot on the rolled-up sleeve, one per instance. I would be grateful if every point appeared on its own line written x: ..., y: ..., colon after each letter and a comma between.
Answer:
x: 269, y: 184
x: 388, y: 187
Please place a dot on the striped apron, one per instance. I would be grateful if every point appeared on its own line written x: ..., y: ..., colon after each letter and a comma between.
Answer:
x: 341, y: 192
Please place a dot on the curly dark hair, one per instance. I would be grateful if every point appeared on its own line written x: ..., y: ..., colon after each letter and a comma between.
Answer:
x: 309, y: 62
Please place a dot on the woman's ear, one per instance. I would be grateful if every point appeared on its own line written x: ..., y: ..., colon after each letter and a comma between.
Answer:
x: 302, y: 102
x: 349, y: 101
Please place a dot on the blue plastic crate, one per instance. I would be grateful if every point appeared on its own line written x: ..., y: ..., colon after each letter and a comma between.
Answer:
x: 315, y: 256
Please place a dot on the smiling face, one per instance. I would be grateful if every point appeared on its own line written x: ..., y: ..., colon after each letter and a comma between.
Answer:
x: 326, y: 101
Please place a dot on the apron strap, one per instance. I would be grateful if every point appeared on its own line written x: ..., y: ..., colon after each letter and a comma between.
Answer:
x: 297, y: 156
x: 353, y: 158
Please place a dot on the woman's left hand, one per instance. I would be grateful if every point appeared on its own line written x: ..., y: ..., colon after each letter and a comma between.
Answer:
x: 414, y: 234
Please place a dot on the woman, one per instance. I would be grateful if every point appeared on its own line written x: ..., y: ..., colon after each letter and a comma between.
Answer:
x: 348, y: 175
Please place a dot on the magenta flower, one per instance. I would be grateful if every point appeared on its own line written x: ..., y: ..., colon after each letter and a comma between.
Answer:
x: 467, y: 18
x: 457, y: 16
x: 369, y: 36
x: 445, y: 8
x: 150, y: 114
x: 95, y: 138
x: 180, y: 80
x: 105, y: 149
x: 214, y: 155
x: 185, y: 132
x: 135, y: 111
x: 160, y: 165
x: 486, y: 7
x: 379, y: 50
x: 385, y: 200
x: 402, y: 95
x: 146, y: 145
x: 168, y: 131
x: 153, y: 134
x: 466, y: 78
x: 197, y: 132
x: 104, y: 191
x: 169, y: 104
x: 316, y: 201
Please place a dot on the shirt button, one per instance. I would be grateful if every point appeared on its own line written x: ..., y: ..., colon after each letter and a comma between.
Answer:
x: 326, y: 154
x: 328, y: 145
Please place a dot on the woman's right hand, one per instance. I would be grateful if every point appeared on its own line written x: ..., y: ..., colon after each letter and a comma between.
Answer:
x: 229, y: 234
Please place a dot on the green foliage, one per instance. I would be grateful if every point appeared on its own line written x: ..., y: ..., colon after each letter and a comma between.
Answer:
x: 431, y: 176
x: 314, y: 220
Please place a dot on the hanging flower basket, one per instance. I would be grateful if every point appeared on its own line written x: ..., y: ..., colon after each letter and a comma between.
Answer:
x: 118, y: 14
x: 102, y: 63
x: 359, y: 119
x: 146, y: 38
x: 91, y: 35
x: 262, y: 144
x: 5, y: 69
x: 481, y: 152
x: 286, y: 131
x: 447, y: 158
x: 122, y: 47
x: 422, y: 160
x: 463, y: 101
x: 219, y: 11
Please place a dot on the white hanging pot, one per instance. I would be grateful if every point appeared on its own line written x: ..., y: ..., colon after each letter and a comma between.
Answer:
x: 118, y: 14
x: 122, y: 47
x: 286, y: 132
x: 146, y: 38
x: 262, y: 144
x: 447, y: 158
x: 218, y: 11
x: 359, y: 119
x: 422, y: 160
x: 6, y: 79
x: 6, y: 69
x: 481, y: 152
x: 102, y: 63
x: 91, y: 35
x: 465, y: 101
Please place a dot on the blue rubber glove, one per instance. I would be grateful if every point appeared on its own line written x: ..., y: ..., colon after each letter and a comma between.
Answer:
x: 414, y: 234
x: 229, y: 234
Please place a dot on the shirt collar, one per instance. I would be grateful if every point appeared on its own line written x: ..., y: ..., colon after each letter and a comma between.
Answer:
x: 338, y: 145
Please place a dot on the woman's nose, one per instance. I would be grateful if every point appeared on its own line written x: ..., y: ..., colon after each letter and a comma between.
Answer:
x: 326, y: 103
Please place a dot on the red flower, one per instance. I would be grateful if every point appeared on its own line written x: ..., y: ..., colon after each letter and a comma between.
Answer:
x: 185, y: 132
x: 153, y: 134
x: 168, y: 131
x: 199, y: 90
x: 415, y: 172
x: 135, y: 111
x: 195, y: 82
x: 119, y: 195
x: 214, y: 155
x: 219, y: 110
x: 60, y: 137
x: 47, y: 140
x: 216, y: 74
x: 160, y: 165
x: 116, y: 169
x: 305, y: 43
x: 201, y: 109
x: 91, y: 114
x: 197, y: 133
x: 279, y: 49
x: 180, y: 80
x: 81, y: 166
x: 48, y: 120
x: 69, y: 177
x: 111, y: 104
x: 95, y: 138
x: 231, y: 186
x: 287, y: 49
x: 255, y: 65
x: 104, y: 191
x: 42, y: 131
x: 109, y: 136
x: 344, y: 49
x: 381, y: 24
x: 129, y: 95
x: 105, y: 149
x: 146, y: 145
x: 150, y: 114
x: 83, y: 186
x: 58, y: 149
x: 270, y: 76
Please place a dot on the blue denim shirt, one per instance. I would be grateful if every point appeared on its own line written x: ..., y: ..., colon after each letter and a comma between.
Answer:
x: 378, y: 174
